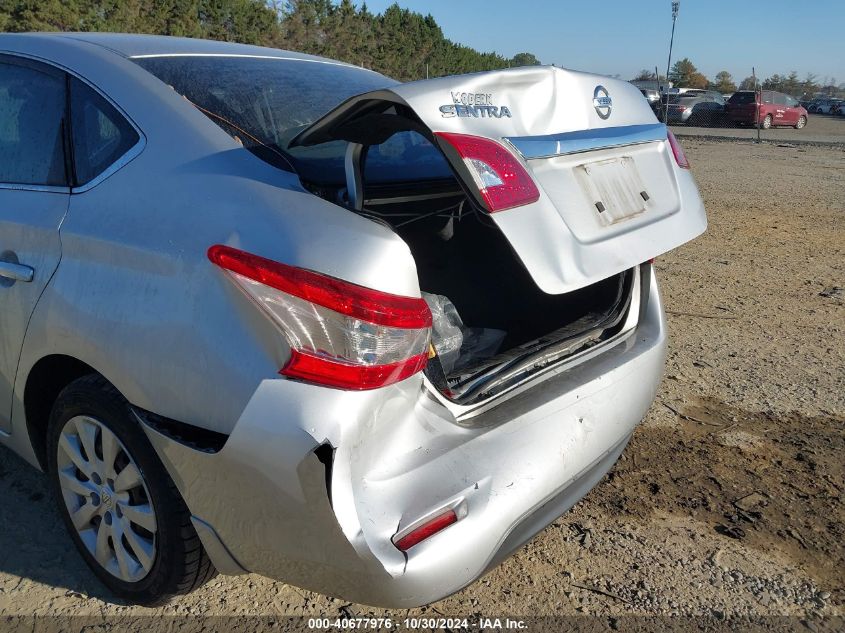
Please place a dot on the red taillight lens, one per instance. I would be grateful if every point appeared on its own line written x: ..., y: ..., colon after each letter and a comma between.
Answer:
x: 678, y: 151
x: 347, y: 376
x: 341, y: 296
x: 500, y: 178
x: 426, y: 530
x: 341, y: 334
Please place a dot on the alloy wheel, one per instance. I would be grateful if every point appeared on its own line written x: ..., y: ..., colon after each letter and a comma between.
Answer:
x: 106, y: 498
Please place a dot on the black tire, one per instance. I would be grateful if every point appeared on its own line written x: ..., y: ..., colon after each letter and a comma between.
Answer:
x: 802, y: 122
x: 181, y: 564
x: 767, y: 122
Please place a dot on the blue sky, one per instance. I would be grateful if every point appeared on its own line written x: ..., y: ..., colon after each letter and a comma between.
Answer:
x: 623, y: 36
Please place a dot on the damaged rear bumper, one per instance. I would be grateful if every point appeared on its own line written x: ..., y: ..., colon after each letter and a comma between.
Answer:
x: 313, y: 483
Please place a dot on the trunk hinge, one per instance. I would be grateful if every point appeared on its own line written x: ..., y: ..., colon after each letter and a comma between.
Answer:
x: 356, y: 154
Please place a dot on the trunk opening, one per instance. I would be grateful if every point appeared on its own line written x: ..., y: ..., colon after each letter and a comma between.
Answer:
x: 509, y: 328
x: 507, y: 297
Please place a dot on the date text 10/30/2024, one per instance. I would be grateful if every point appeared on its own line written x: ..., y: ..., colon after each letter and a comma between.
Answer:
x: 377, y: 624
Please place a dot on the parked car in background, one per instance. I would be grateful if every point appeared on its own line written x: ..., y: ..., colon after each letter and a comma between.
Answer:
x: 652, y: 96
x: 769, y: 108
x: 829, y: 107
x: 696, y: 107
x: 823, y: 105
x: 269, y: 312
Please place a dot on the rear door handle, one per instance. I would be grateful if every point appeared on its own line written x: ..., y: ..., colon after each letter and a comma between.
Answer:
x: 16, y: 272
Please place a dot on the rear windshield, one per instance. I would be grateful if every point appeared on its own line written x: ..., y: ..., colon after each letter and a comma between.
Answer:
x: 740, y: 98
x: 267, y: 102
x: 685, y: 96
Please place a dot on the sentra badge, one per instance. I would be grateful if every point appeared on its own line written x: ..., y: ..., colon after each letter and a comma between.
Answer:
x: 474, y: 104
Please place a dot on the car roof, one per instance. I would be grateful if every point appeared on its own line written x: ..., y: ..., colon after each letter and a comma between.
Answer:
x: 137, y: 45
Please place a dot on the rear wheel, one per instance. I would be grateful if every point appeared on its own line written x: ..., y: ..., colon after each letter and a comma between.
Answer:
x: 767, y: 122
x: 802, y: 121
x: 122, y: 510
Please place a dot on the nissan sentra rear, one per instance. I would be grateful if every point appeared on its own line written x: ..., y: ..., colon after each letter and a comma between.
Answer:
x: 441, y: 431
x: 390, y: 331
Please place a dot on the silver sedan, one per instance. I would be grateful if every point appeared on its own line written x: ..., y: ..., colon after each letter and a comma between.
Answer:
x: 266, y: 312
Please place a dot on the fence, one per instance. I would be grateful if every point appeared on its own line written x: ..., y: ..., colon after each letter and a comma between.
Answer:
x: 754, y: 113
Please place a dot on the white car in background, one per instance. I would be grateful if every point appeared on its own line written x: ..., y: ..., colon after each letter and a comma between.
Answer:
x: 824, y: 106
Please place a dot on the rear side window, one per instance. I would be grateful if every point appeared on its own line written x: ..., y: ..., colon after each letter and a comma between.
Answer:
x: 32, y: 109
x: 740, y: 98
x: 101, y: 135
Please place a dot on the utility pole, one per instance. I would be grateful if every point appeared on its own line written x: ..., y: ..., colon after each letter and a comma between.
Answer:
x: 758, y: 98
x: 676, y: 5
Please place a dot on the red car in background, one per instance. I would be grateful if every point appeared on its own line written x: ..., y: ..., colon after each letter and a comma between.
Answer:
x: 776, y: 109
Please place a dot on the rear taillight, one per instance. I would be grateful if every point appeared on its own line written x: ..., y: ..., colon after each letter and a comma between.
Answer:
x: 502, y: 181
x: 678, y: 151
x: 341, y: 334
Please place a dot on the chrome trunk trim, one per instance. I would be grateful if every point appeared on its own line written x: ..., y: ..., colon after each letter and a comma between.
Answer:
x: 586, y: 140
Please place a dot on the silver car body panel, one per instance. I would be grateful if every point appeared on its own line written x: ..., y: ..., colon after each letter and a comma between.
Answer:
x: 561, y: 239
x: 136, y: 299
x: 398, y: 456
x: 29, y: 240
x: 147, y: 312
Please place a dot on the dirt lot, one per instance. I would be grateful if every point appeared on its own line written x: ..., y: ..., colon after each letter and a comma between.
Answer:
x: 729, y: 499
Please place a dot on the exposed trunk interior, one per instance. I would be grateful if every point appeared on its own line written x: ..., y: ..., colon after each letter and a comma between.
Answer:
x: 462, y: 255
x: 469, y: 261
x: 498, y: 326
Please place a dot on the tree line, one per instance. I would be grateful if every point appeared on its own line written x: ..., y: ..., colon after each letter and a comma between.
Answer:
x: 684, y: 74
x: 399, y: 43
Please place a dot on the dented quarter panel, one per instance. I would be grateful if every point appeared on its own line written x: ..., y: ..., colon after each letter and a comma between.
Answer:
x: 400, y: 455
x: 136, y: 297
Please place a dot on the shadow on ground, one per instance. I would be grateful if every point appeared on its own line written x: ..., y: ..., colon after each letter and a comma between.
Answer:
x: 33, y: 541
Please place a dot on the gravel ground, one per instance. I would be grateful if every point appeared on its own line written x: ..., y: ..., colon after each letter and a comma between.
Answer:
x: 727, y: 502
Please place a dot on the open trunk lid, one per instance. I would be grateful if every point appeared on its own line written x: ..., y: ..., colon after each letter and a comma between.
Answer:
x: 611, y: 194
